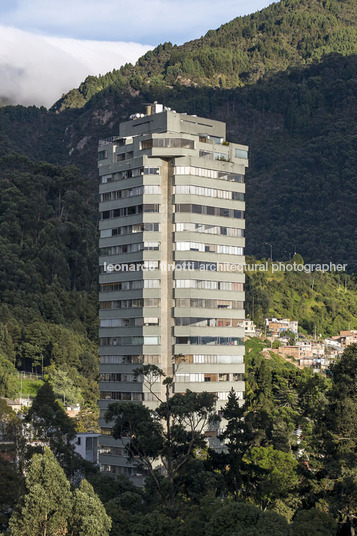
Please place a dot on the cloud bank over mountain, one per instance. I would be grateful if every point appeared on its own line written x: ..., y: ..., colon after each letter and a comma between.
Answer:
x: 141, y: 21
x: 37, y: 69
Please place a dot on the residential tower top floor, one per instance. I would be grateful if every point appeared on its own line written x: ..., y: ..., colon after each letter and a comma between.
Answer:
x: 189, y: 135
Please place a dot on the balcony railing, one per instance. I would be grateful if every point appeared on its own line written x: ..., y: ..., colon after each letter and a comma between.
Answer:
x: 108, y: 141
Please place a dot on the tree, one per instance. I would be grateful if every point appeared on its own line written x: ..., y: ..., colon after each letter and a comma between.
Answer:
x: 338, y: 426
x: 245, y: 519
x: 12, y: 484
x: 88, y: 517
x: 31, y: 352
x: 272, y: 474
x: 344, y: 372
x: 49, y: 417
x: 46, y: 508
x: 316, y: 522
x: 8, y: 378
x: 87, y: 419
x: 10, y: 475
x: 237, y: 438
x: 344, y: 500
x: 51, y: 424
x: 10, y: 424
x: 63, y: 387
x: 166, y: 436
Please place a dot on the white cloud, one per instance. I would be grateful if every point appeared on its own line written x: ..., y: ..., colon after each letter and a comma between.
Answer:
x: 148, y: 21
x: 38, y: 69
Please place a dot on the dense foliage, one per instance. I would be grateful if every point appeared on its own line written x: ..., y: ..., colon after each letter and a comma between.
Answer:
x: 285, y: 34
x: 300, y: 124
x: 49, y: 508
x: 323, y: 303
x: 289, y: 468
x: 285, y: 81
x: 48, y: 312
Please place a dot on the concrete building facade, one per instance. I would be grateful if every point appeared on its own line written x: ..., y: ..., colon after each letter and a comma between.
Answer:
x: 171, y: 262
x: 86, y: 445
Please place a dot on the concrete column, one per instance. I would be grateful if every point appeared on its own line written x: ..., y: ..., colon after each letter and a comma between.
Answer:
x: 166, y: 227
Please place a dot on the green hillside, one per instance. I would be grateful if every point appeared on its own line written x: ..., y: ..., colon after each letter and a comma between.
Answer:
x: 48, y: 280
x: 293, y: 102
x: 285, y: 34
x: 48, y: 291
x: 322, y: 301
x: 285, y: 82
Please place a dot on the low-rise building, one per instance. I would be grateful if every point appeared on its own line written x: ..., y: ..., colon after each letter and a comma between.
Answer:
x: 347, y: 337
x: 305, y: 350
x: 86, y: 445
x: 317, y: 349
x: 250, y: 329
x: 278, y: 326
x: 73, y: 411
x: 321, y: 364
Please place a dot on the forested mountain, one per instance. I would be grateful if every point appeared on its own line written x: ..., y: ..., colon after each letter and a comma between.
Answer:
x: 285, y: 81
x: 285, y: 34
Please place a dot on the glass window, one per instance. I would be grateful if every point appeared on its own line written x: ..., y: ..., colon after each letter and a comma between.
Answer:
x: 105, y: 233
x: 205, y: 154
x: 146, y: 144
x: 173, y: 142
x: 152, y: 340
x: 241, y: 153
x: 221, y: 156
x: 151, y: 170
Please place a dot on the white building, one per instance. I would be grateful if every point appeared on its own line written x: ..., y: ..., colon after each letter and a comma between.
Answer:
x: 86, y: 445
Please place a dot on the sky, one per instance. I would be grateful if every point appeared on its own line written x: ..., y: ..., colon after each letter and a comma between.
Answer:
x: 47, y: 47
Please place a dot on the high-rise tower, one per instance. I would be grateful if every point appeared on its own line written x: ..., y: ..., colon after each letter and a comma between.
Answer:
x: 171, y: 260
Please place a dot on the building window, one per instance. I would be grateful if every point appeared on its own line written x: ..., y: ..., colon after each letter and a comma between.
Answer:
x: 102, y: 155
x: 115, y: 395
x: 191, y: 189
x: 130, y: 248
x: 225, y: 395
x: 209, y: 322
x: 130, y: 304
x: 241, y: 153
x: 209, y: 229
x: 130, y: 359
x: 151, y: 170
x: 210, y: 377
x: 130, y: 229
x: 211, y: 341
x: 223, y: 377
x: 146, y: 144
x: 106, y: 179
x: 205, y: 154
x: 168, y: 142
x: 209, y: 173
x: 130, y: 192
x: 221, y: 156
x: 209, y: 210
x: 129, y: 211
x: 209, y: 304
x: 209, y: 248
